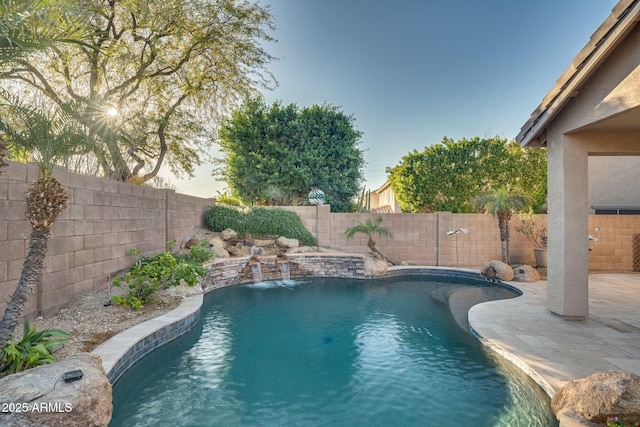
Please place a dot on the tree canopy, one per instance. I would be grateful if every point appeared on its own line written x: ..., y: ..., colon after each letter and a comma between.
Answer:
x: 149, y: 79
x: 447, y: 176
x: 277, y: 154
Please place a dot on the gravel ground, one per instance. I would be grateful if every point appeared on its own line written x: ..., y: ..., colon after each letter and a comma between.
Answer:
x: 90, y: 322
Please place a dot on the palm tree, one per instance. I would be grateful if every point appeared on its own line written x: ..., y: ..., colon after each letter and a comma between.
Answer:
x: 370, y: 228
x: 31, y: 26
x: 502, y: 203
x: 28, y: 26
x: 49, y: 140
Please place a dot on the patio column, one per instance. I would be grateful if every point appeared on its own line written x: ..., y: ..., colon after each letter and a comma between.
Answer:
x: 568, y: 189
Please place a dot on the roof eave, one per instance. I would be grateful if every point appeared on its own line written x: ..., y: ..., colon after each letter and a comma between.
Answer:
x: 606, y: 38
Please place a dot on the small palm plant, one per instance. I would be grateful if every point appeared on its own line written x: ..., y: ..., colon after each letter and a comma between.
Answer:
x: 370, y: 228
x: 502, y: 203
x: 47, y: 140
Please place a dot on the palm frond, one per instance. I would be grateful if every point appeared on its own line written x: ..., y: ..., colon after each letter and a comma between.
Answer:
x: 27, y: 26
x: 49, y: 138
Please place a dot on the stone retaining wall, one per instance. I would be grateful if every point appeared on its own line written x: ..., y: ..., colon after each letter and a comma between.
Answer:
x: 233, y: 271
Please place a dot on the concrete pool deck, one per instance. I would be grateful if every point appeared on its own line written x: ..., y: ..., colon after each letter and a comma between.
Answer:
x: 553, y: 350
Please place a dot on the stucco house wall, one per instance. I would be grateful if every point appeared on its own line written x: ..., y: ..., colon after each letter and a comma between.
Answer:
x: 593, y: 111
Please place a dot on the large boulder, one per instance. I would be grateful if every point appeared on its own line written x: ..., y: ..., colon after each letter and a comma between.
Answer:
x: 228, y: 234
x: 374, y: 266
x: 218, y: 246
x: 262, y: 243
x: 600, y: 396
x: 239, y: 249
x: 47, y: 400
x: 192, y: 243
x: 526, y: 273
x: 498, y: 270
x: 283, y: 242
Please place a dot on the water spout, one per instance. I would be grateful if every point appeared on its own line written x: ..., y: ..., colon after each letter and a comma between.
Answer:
x: 284, y: 270
x: 255, y: 251
x: 256, y: 269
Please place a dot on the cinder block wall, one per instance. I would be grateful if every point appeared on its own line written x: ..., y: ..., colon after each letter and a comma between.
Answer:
x: 421, y: 238
x: 91, y: 239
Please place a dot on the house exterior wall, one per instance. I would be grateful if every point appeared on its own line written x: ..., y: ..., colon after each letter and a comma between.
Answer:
x: 613, y: 181
x: 384, y: 199
x: 597, y: 121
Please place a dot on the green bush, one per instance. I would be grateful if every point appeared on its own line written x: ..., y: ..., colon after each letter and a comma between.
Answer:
x: 258, y: 222
x: 149, y: 275
x: 219, y: 217
x: 32, y: 350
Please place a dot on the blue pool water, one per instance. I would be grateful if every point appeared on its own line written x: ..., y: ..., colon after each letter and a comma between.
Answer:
x: 328, y: 352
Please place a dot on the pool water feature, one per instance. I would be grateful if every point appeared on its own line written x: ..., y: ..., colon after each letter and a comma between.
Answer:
x: 334, y: 352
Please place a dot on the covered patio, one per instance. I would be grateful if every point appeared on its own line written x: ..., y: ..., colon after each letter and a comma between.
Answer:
x: 592, y: 111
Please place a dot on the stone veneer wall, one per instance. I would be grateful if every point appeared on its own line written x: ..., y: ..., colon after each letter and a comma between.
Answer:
x: 91, y: 239
x: 233, y: 271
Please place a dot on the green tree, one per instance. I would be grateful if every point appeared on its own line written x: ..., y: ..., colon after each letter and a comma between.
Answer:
x: 26, y: 29
x: 276, y: 154
x: 49, y: 139
x: 446, y: 176
x: 160, y: 76
x: 370, y: 228
x: 502, y: 202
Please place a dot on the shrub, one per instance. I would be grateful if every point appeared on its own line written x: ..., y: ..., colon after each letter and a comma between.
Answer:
x: 35, y: 348
x: 258, y: 222
x: 147, y: 276
x: 219, y: 217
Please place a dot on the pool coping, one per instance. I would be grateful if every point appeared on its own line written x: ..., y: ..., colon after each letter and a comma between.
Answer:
x: 125, y: 349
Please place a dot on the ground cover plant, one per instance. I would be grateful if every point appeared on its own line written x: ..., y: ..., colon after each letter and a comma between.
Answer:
x: 258, y: 222
x: 35, y: 348
x: 149, y: 275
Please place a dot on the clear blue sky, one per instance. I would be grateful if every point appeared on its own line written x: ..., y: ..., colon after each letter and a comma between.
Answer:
x: 414, y: 71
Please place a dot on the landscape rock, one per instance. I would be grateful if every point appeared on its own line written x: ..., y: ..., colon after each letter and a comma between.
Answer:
x: 600, y: 396
x: 526, y: 273
x: 497, y: 270
x: 53, y: 402
x: 374, y: 266
x: 228, y: 234
x: 192, y: 242
x: 219, y: 247
x: 238, y: 249
x: 261, y: 243
x: 283, y: 242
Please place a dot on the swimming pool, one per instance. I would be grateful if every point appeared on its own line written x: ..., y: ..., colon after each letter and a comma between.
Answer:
x: 335, y: 352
